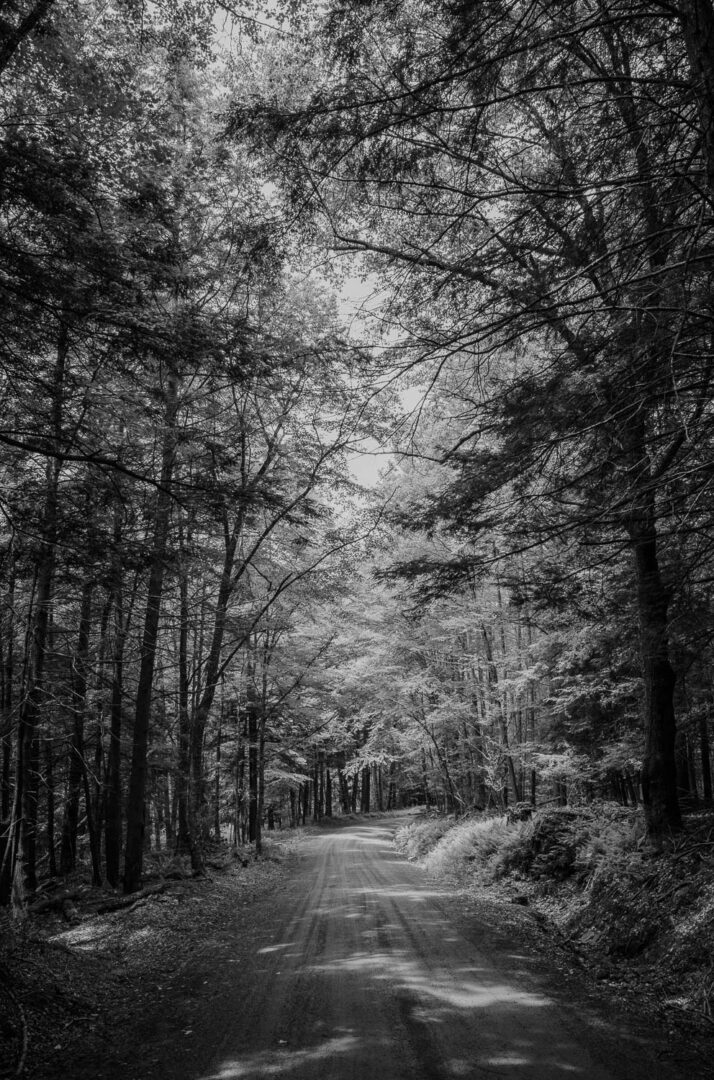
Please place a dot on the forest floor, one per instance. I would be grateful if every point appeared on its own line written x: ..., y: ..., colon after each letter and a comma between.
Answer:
x: 92, y: 998
x: 74, y: 980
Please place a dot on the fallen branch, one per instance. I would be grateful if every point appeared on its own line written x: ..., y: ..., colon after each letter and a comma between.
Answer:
x: 57, y: 901
x: 131, y: 900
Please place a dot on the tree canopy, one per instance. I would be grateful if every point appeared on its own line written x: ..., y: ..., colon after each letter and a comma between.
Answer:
x: 206, y: 621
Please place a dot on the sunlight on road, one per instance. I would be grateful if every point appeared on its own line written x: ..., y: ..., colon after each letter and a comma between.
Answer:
x: 368, y: 978
x: 446, y: 987
x: 275, y: 1062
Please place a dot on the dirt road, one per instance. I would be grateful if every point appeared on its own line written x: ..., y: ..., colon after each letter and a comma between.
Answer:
x: 360, y: 969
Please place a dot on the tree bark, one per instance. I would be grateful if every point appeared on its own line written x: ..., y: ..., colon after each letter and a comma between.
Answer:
x: 133, y: 860
x: 706, y: 758
x: 659, y: 774
x: 328, y: 793
x: 252, y: 715
x: 15, y: 36
x: 113, y: 807
x: 25, y: 817
x: 365, y: 795
x: 697, y: 21
x: 77, y: 765
x: 185, y: 835
x: 50, y: 795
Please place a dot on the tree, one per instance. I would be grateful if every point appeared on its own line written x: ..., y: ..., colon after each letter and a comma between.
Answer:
x: 535, y: 175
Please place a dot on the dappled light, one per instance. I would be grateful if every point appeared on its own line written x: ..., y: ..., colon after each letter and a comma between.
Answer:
x: 461, y: 988
x: 356, y: 520
x: 396, y: 982
x: 282, y: 1062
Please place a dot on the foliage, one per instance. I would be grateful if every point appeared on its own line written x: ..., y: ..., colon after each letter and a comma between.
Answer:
x: 417, y: 838
x: 549, y: 844
x: 469, y: 845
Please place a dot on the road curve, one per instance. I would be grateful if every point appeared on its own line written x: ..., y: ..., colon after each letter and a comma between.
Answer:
x: 361, y: 973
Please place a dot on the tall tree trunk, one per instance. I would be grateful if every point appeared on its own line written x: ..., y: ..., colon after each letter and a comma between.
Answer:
x: 25, y: 817
x: 328, y: 793
x: 697, y: 21
x: 365, y: 799
x: 706, y: 753
x: 659, y: 774
x: 77, y: 765
x: 502, y: 719
x: 50, y: 790
x: 122, y: 617
x: 185, y: 835
x: 113, y: 808
x: 133, y: 859
x: 197, y: 721
x: 320, y: 783
x: 217, y: 783
x: 240, y: 787
x: 261, y: 782
x: 344, y: 791
x: 6, y: 700
x: 252, y: 707
x: 7, y: 828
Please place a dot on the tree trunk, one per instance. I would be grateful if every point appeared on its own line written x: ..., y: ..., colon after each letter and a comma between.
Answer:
x: 681, y: 758
x: 365, y: 798
x: 344, y: 791
x: 113, y: 814
x: 133, y: 860
x: 261, y: 783
x: 6, y: 700
x: 697, y: 21
x: 502, y: 719
x: 706, y: 758
x: 212, y: 674
x: 77, y: 765
x: 14, y: 36
x: 659, y: 775
x: 7, y: 827
x: 252, y: 715
x: 328, y: 793
x: 184, y: 832
x: 316, y: 813
x: 25, y: 817
x: 217, y: 786
x: 50, y: 790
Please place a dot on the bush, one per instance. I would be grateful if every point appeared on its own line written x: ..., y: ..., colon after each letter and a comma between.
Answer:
x: 470, y: 844
x: 515, y: 854
x: 417, y: 838
x: 554, y: 844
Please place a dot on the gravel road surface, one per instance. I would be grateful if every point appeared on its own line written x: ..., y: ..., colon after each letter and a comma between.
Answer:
x: 361, y: 969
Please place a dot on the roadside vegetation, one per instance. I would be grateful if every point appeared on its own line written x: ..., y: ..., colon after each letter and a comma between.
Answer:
x: 633, y: 915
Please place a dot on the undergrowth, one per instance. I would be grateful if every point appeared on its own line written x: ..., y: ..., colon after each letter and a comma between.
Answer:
x: 589, y: 869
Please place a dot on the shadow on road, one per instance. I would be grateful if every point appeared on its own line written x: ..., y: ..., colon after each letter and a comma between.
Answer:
x: 370, y: 980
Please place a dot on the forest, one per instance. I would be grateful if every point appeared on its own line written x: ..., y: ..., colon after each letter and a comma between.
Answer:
x: 357, y: 439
